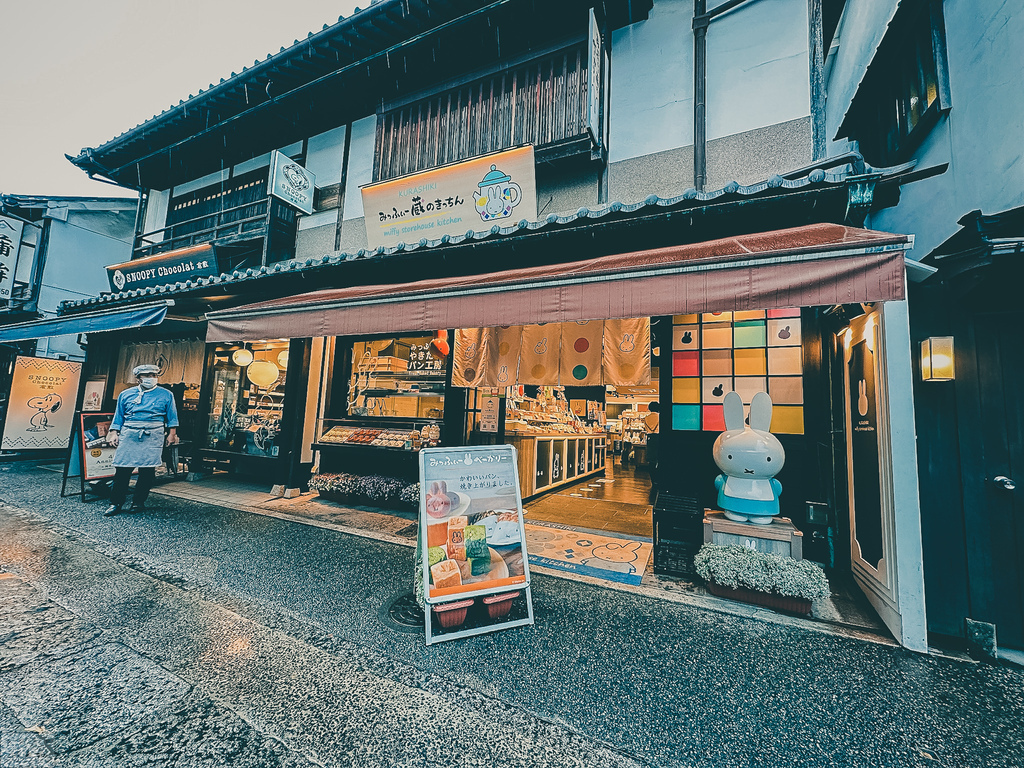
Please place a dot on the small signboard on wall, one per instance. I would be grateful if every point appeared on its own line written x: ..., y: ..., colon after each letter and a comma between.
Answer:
x: 10, y: 244
x: 292, y: 183
x: 489, y: 410
x: 472, y: 543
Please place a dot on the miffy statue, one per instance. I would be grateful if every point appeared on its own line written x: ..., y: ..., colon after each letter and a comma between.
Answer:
x: 749, y: 457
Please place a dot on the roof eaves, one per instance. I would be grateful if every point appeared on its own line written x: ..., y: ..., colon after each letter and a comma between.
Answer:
x: 687, y: 199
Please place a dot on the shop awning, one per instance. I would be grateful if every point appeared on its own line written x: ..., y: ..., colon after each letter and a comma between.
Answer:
x: 821, y: 264
x: 90, y: 322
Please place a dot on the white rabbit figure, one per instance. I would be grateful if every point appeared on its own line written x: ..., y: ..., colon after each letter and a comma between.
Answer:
x: 749, y: 457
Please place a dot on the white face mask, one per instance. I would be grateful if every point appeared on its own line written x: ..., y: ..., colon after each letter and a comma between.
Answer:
x: 147, y: 382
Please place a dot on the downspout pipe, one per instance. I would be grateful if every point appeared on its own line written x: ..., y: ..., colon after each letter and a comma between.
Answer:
x: 700, y: 87
x: 702, y: 17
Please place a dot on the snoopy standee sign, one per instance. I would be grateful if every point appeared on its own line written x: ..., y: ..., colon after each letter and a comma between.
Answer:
x: 473, y: 572
x: 471, y: 196
x: 41, y: 407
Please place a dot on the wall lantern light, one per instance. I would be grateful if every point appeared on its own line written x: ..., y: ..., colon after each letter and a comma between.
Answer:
x: 937, y: 358
x: 242, y: 357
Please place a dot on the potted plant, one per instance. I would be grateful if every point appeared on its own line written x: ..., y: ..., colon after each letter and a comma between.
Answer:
x: 774, y: 581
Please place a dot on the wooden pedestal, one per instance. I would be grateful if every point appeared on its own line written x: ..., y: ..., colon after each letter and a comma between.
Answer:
x: 780, y: 538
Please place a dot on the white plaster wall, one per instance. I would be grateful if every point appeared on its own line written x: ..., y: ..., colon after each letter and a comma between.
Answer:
x: 262, y: 161
x: 758, y: 67
x: 191, y: 186
x: 360, y: 164
x: 652, y: 83
x: 324, y: 155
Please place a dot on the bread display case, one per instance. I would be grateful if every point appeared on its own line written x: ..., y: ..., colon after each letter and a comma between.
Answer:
x: 386, y: 403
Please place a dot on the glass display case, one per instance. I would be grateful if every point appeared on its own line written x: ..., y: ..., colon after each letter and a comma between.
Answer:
x: 247, y: 398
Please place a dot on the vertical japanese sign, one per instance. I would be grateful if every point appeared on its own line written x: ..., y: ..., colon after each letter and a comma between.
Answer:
x: 292, y: 183
x: 595, y: 82
x: 10, y: 242
x: 489, y: 410
x: 42, y: 404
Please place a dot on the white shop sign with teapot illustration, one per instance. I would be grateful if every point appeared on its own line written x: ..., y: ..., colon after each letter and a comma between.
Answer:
x: 498, y: 189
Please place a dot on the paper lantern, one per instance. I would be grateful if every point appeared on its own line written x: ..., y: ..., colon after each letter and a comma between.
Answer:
x: 262, y: 373
x: 242, y: 357
x: 282, y: 359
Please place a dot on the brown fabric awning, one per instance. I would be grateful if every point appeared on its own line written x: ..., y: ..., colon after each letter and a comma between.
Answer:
x: 820, y: 264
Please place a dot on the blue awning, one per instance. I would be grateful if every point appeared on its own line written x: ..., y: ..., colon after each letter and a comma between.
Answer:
x: 89, y: 322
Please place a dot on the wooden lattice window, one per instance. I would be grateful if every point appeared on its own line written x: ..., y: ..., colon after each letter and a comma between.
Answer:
x: 543, y: 102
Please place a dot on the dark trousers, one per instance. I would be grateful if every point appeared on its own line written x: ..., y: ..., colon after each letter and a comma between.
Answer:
x: 123, y: 475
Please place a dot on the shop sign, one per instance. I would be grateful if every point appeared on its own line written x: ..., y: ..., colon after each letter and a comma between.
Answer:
x: 173, y: 267
x: 489, y: 410
x: 497, y: 189
x: 10, y: 243
x: 41, y: 406
x: 475, y: 542
x: 292, y: 183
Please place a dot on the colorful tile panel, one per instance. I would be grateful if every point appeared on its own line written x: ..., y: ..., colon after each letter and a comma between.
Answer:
x: 746, y: 352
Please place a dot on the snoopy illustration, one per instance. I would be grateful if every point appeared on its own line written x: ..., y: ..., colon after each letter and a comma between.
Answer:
x: 43, y: 405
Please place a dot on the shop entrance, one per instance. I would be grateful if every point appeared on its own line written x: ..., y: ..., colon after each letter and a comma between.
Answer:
x: 580, y: 405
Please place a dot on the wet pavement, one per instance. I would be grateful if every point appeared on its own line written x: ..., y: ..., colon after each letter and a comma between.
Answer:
x: 193, y: 635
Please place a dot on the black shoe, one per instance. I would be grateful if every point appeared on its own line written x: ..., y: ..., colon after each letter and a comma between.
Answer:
x: 136, y: 507
x: 113, y: 509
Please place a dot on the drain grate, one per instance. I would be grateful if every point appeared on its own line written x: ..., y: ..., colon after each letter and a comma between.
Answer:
x: 406, y: 612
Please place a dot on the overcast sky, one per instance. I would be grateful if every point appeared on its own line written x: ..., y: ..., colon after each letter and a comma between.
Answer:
x: 77, y: 73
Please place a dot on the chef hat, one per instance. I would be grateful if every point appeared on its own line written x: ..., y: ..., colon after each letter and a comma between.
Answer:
x: 147, y: 369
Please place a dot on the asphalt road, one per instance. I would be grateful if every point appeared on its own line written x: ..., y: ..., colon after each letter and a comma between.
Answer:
x: 192, y: 635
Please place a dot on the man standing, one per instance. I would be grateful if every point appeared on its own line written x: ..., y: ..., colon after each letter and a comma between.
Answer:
x: 144, y: 422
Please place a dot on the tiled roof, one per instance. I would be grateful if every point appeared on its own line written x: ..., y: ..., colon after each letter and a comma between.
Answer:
x: 691, y: 198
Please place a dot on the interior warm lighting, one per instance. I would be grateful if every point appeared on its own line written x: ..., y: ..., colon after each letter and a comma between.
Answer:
x: 242, y: 357
x: 262, y: 373
x: 937, y: 358
x: 282, y: 359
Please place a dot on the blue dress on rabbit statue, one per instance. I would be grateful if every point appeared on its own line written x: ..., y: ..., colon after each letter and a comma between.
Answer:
x: 749, y: 456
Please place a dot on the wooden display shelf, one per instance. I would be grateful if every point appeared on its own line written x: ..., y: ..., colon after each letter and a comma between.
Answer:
x: 544, y: 460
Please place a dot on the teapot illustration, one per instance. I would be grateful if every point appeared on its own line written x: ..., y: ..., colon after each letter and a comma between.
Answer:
x: 498, y: 195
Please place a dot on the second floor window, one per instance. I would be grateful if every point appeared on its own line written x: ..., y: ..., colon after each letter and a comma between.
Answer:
x: 906, y: 87
x: 543, y: 102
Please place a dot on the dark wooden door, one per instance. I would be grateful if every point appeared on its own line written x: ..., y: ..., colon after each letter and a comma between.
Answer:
x: 990, y: 401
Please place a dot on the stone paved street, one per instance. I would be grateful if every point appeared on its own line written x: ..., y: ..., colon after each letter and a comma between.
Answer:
x: 194, y: 635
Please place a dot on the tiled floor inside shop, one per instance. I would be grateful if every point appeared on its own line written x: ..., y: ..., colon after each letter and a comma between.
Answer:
x: 618, y: 502
x: 847, y: 610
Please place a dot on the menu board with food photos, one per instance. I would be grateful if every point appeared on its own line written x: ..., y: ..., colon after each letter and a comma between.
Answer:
x: 472, y: 537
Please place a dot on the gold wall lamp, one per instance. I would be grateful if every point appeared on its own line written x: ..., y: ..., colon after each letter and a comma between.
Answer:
x: 937, y: 358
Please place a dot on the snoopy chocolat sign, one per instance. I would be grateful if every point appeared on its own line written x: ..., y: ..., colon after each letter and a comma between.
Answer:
x: 496, y: 189
x: 42, y: 404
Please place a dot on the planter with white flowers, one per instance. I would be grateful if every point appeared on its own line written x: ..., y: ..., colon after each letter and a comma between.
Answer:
x: 760, y: 578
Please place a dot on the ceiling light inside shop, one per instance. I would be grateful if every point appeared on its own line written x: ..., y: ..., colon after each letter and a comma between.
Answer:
x: 262, y: 373
x: 242, y: 357
x: 282, y: 359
